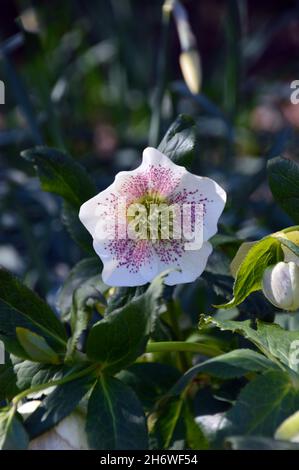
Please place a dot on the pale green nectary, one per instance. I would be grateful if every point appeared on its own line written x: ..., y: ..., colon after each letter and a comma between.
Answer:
x: 281, y: 285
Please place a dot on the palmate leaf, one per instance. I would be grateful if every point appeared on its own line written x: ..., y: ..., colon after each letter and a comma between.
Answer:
x: 21, y: 307
x: 277, y: 344
x: 115, y: 418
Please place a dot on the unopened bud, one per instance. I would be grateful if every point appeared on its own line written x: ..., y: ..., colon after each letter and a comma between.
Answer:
x: 281, y: 285
x: 191, y: 70
x: 189, y: 58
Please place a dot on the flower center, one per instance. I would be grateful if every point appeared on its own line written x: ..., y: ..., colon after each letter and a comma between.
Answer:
x: 150, y: 218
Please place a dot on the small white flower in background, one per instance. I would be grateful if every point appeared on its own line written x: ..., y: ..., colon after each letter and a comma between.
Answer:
x: 68, y: 434
x: 281, y: 285
x: 130, y: 261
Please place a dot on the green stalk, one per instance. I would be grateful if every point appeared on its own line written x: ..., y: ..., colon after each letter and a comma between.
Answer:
x: 173, y: 320
x: 183, y: 346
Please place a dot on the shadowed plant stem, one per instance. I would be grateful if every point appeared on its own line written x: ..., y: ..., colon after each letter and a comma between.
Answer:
x: 173, y: 320
x: 183, y: 346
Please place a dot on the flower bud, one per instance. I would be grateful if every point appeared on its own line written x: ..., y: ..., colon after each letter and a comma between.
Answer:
x: 189, y: 58
x: 281, y: 285
x: 191, y: 70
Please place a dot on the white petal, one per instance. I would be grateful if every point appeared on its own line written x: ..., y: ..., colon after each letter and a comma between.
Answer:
x: 91, y: 212
x: 191, y: 265
x: 152, y: 156
x: 113, y: 274
x: 207, y: 192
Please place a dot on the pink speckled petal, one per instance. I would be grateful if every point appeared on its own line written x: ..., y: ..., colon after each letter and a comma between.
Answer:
x: 113, y: 274
x: 191, y: 265
x: 197, y: 189
x: 94, y: 209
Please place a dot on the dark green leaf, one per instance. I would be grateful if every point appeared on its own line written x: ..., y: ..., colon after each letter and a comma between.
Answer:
x: 8, y: 380
x: 195, y: 437
x: 169, y: 429
x: 21, y: 307
x: 226, y: 366
x: 85, y: 298
x: 76, y: 229
x: 263, y: 405
x: 283, y: 177
x: 30, y: 373
x: 12, y: 433
x: 150, y: 380
x: 120, y: 297
x: 180, y: 141
x: 115, y: 419
x: 83, y: 271
x: 121, y: 337
x: 60, y: 174
x: 59, y: 404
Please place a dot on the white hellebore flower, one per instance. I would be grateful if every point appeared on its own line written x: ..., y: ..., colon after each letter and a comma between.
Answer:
x: 130, y: 233
x: 68, y: 434
x: 281, y: 285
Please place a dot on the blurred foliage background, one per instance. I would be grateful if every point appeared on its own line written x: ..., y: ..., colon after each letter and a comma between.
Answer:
x: 95, y: 77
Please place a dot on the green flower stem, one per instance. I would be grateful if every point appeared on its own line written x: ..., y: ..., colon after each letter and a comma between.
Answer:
x: 53, y: 383
x: 183, y: 346
x: 182, y: 359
